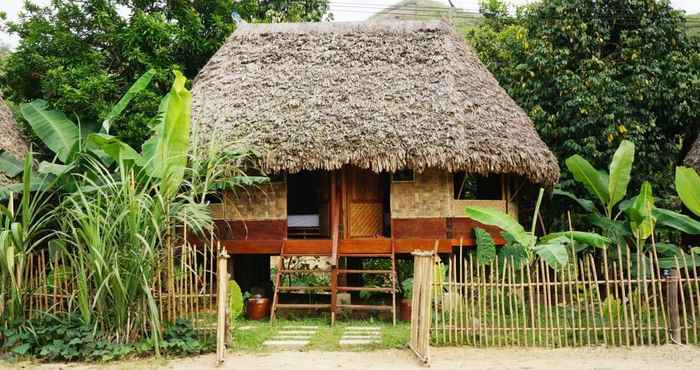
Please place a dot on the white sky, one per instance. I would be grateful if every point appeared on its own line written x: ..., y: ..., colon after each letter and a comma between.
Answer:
x: 343, y: 10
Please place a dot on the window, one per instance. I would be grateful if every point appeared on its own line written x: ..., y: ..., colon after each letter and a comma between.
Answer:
x: 472, y: 186
x: 403, y: 176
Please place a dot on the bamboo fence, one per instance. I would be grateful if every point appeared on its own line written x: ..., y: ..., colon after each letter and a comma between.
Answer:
x: 623, y: 301
x: 192, y: 280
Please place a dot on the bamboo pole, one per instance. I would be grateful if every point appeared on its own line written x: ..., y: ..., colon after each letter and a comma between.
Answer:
x: 624, y: 296
x: 600, y: 302
x: 658, y: 279
x: 692, y: 306
x: 222, y: 275
x: 631, y: 304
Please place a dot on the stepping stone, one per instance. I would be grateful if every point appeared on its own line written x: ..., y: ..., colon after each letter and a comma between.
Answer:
x: 375, y: 328
x: 361, y: 335
x: 292, y: 337
x: 286, y: 343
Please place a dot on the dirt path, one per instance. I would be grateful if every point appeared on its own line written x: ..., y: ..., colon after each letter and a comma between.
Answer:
x: 653, y: 358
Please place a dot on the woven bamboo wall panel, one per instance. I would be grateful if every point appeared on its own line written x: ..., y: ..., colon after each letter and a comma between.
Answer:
x: 265, y: 202
x: 366, y: 220
x: 458, y: 206
x: 429, y: 195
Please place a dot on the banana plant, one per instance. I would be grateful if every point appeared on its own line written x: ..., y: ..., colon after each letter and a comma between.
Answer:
x: 627, y: 221
x: 552, y: 248
x: 68, y: 140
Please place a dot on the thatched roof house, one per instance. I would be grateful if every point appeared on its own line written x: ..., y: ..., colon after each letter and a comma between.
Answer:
x: 693, y: 157
x: 383, y: 96
x: 11, y: 139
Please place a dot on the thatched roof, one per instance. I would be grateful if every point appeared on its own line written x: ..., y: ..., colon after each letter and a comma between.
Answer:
x: 693, y: 157
x: 11, y: 138
x: 379, y: 95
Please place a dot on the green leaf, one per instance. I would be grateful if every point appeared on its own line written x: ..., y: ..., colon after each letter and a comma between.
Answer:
x: 688, y: 188
x: 591, y: 178
x: 512, y: 252
x: 114, y: 148
x: 554, y: 253
x: 53, y: 128
x: 639, y: 212
x: 580, y: 237
x: 133, y: 91
x: 485, y: 247
x: 620, y: 173
x: 235, y: 301
x: 10, y: 165
x: 22, y: 349
x: 48, y: 168
x: 165, y: 153
x: 507, y: 223
x: 677, y: 221
x: 586, y: 204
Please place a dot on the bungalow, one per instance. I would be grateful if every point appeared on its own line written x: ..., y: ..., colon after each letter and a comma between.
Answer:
x: 377, y: 136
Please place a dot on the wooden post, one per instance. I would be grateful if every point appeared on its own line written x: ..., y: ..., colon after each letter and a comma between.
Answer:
x: 421, y: 305
x: 222, y: 303
x: 672, y: 287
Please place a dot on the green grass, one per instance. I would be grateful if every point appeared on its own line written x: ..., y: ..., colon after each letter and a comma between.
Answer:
x: 248, y: 336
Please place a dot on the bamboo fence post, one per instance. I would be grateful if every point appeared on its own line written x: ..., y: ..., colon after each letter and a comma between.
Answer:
x: 592, y: 280
x: 672, y: 285
x: 505, y: 324
x: 575, y: 324
x: 692, y: 307
x: 531, y: 301
x: 621, y: 284
x: 660, y: 288
x: 474, y: 311
x: 600, y: 302
x: 222, y: 276
x: 697, y: 295
x: 463, y: 291
x: 584, y: 283
x: 631, y: 303
x: 513, y: 313
x: 495, y: 276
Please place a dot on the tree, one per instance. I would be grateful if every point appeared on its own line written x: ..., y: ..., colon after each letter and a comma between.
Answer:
x: 82, y: 55
x: 591, y: 74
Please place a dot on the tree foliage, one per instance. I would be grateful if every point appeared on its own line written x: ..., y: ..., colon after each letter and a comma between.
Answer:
x: 591, y: 74
x: 82, y: 55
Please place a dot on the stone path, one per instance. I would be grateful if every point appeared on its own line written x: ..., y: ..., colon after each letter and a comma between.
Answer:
x: 361, y: 335
x: 292, y: 337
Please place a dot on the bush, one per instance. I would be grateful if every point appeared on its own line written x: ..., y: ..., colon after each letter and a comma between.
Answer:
x: 69, y: 339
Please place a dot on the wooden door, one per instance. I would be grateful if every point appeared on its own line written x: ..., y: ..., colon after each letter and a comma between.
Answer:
x: 364, y: 195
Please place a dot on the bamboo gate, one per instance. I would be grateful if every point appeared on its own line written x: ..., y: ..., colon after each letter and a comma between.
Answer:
x: 622, y: 301
x: 420, y: 316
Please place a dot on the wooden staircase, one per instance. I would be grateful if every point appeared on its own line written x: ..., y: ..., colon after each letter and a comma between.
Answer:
x: 334, y: 273
x: 335, y: 307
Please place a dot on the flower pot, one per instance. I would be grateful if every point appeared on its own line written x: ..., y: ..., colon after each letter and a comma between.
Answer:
x: 405, y: 310
x: 258, y: 308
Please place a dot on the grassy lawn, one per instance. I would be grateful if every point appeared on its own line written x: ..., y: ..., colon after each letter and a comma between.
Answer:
x: 248, y: 336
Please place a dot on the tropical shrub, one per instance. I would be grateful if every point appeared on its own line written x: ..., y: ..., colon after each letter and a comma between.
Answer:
x: 632, y: 221
x: 81, y: 55
x: 589, y: 80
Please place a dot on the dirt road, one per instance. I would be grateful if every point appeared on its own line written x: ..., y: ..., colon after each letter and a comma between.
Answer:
x: 653, y: 358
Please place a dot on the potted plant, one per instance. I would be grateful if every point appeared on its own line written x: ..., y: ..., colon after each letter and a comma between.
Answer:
x: 257, y: 307
x: 405, y: 305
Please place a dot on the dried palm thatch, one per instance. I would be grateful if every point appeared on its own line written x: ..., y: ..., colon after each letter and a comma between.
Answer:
x: 380, y: 95
x: 693, y: 157
x: 11, y: 138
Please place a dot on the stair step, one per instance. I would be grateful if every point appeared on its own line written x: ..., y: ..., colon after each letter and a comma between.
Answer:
x: 364, y: 289
x: 303, y: 305
x: 367, y: 307
x: 387, y: 272
x: 368, y: 255
x: 304, y: 271
x: 292, y: 288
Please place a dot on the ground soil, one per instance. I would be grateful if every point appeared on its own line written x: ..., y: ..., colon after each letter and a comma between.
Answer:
x: 653, y: 358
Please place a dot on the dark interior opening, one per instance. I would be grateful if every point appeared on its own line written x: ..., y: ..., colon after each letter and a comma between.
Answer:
x: 308, y: 205
x: 473, y: 186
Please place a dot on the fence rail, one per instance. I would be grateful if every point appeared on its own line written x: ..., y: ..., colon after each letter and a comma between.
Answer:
x: 622, y: 301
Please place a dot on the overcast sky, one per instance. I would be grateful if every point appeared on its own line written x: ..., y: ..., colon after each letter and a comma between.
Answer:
x: 343, y: 10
